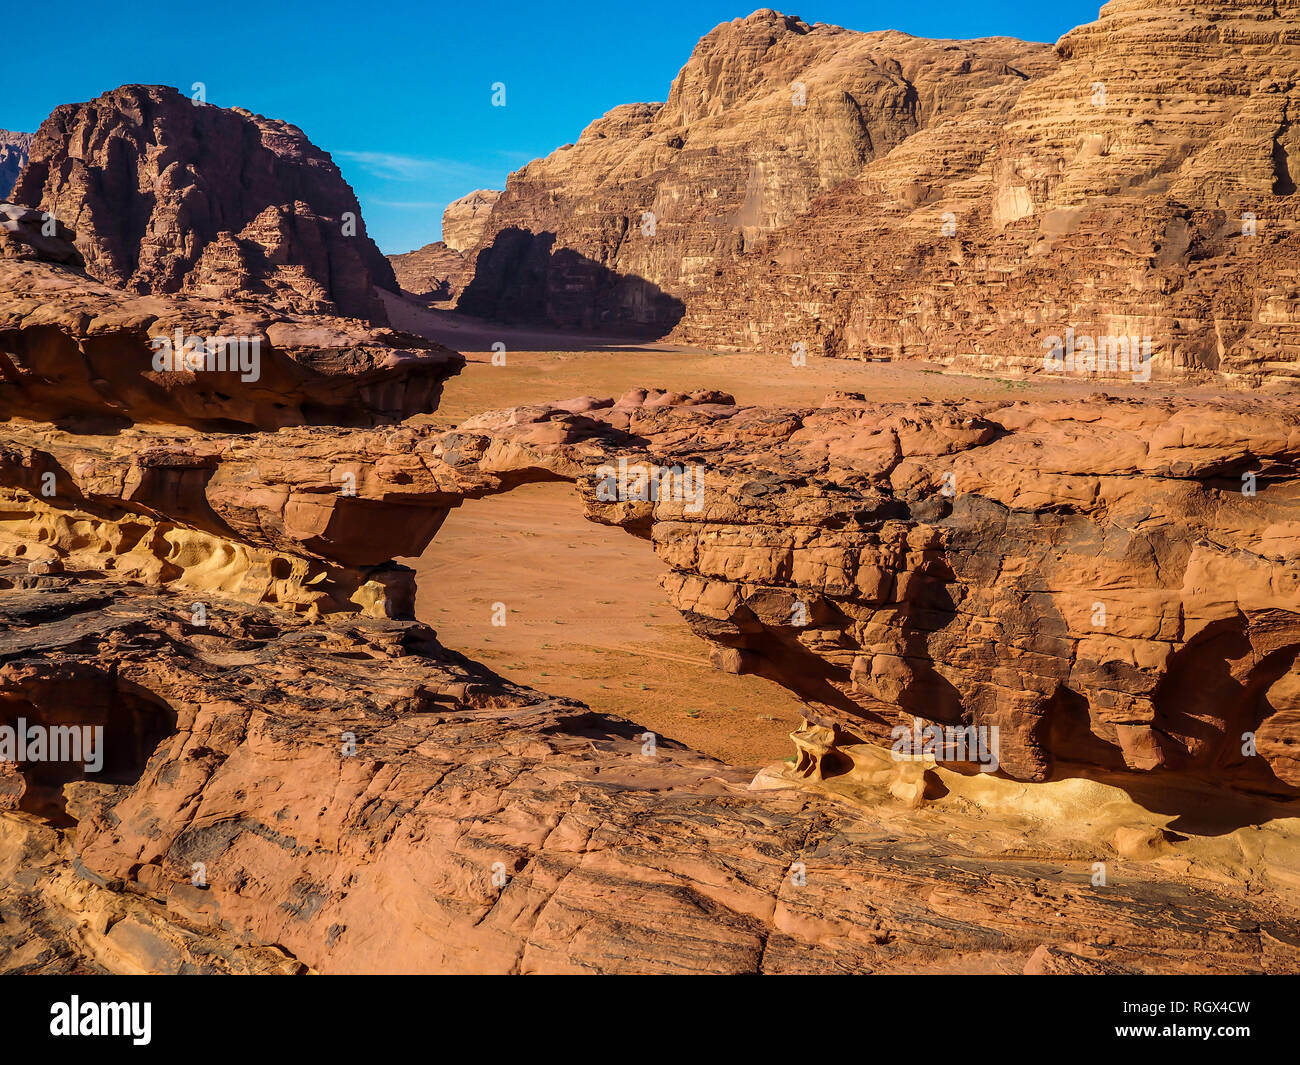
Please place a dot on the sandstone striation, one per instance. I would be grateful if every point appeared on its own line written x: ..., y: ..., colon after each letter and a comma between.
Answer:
x: 353, y: 798
x: 960, y: 202
x: 464, y: 220
x: 202, y: 561
x: 434, y: 275
x: 624, y: 227
x: 1105, y: 582
x: 1141, y: 188
x: 169, y: 196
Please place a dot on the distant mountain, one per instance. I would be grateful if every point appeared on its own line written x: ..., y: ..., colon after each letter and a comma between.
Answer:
x: 167, y: 196
x: 436, y: 273
x: 13, y: 157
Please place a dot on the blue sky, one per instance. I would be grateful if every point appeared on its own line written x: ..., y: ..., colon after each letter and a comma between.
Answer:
x: 400, y: 93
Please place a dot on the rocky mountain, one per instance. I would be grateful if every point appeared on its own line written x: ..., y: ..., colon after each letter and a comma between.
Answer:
x: 13, y: 157
x: 1031, y: 639
x: 167, y: 196
x: 434, y: 275
x: 621, y: 229
x: 1142, y: 188
x: 961, y: 202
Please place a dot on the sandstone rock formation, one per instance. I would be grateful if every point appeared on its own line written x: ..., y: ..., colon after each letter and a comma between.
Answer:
x: 769, y: 113
x: 13, y: 157
x: 464, y: 220
x: 167, y: 196
x: 1143, y: 187
x: 961, y: 202
x: 35, y: 236
x: 351, y: 797
x: 434, y: 275
x: 87, y: 356
x: 1104, y: 582
x: 299, y: 777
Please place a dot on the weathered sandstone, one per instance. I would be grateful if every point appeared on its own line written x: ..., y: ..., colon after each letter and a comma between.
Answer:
x: 434, y: 275
x: 464, y: 220
x: 960, y: 202
x: 1105, y: 582
x: 82, y: 354
x: 169, y: 196
x: 1141, y: 188
x: 353, y: 798
x: 623, y: 228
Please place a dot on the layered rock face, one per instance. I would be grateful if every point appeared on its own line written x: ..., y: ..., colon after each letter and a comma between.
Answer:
x: 353, y: 798
x: 1098, y: 582
x: 1104, y: 582
x: 465, y: 220
x: 13, y: 157
x: 961, y: 202
x: 278, y: 770
x: 623, y: 228
x: 167, y: 196
x: 434, y: 275
x: 336, y: 792
x: 1140, y: 190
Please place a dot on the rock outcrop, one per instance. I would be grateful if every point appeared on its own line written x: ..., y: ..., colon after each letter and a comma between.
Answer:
x: 93, y: 357
x: 1141, y: 188
x: 960, y: 202
x: 13, y: 157
x: 433, y: 275
x: 624, y: 227
x: 353, y: 798
x: 258, y: 761
x: 1102, y: 581
x: 36, y: 236
x: 464, y: 220
x: 1099, y: 582
x: 169, y: 196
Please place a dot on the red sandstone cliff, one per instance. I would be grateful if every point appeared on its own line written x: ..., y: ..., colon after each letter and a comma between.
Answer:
x: 167, y: 196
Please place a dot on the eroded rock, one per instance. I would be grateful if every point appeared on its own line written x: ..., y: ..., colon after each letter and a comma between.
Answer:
x: 171, y: 195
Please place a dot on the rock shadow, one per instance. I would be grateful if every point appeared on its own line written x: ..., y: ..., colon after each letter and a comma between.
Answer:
x: 522, y: 279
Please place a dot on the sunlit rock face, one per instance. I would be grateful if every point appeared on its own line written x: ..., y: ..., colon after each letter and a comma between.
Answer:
x: 1142, y: 186
x: 170, y: 196
x: 625, y: 228
x: 809, y: 188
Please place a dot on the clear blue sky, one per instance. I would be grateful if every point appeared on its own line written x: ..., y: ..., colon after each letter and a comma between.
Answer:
x: 400, y: 93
